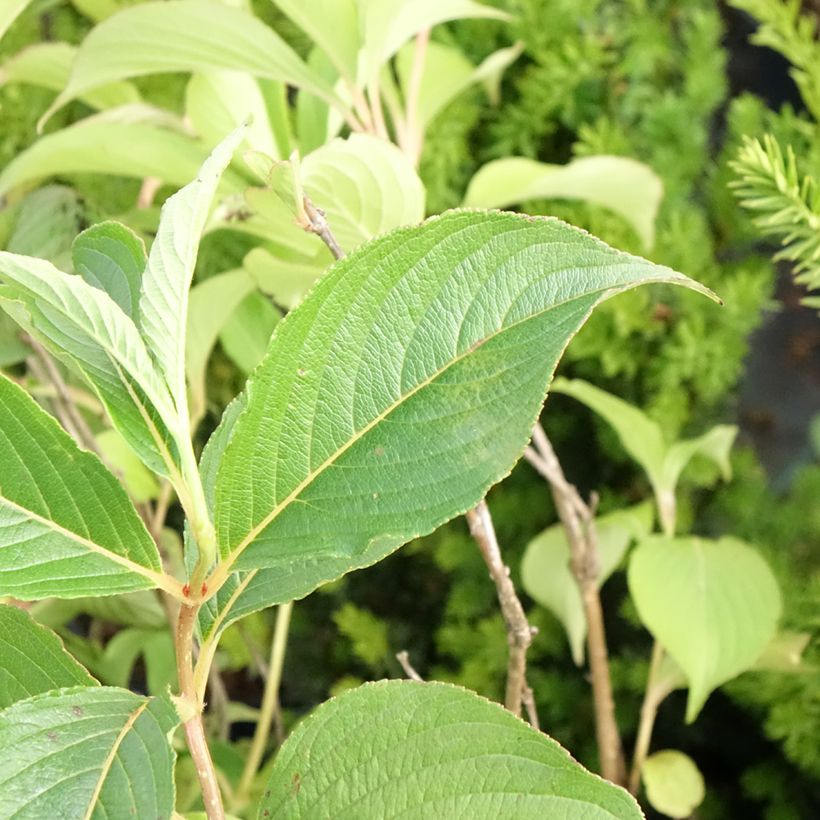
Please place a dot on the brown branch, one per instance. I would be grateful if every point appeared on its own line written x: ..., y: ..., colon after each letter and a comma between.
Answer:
x: 317, y: 223
x: 519, y: 632
x: 578, y: 519
x: 404, y: 659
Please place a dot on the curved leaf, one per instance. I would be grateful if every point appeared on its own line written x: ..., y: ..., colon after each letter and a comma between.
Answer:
x: 674, y: 785
x: 434, y: 750
x: 148, y: 39
x: 86, y: 752
x: 625, y: 186
x: 402, y: 388
x: 9, y: 11
x: 713, y: 606
x: 34, y: 659
x: 66, y: 526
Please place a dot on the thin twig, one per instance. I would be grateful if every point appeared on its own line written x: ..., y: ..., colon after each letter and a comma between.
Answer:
x: 413, y: 132
x: 404, y: 659
x: 578, y: 519
x: 317, y: 223
x: 519, y: 632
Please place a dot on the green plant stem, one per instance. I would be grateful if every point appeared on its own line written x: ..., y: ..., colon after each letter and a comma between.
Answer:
x: 270, y: 700
x: 190, y: 707
x: 653, y: 695
x: 413, y: 136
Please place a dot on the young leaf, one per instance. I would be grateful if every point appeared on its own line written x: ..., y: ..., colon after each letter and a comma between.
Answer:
x: 86, y: 752
x: 139, y: 481
x: 112, y: 258
x: 34, y: 659
x: 146, y: 39
x: 163, y: 309
x: 627, y: 187
x: 67, y: 527
x: 435, y: 750
x: 402, y: 388
x: 545, y: 570
x: 82, y: 324
x: 674, y: 784
x: 713, y: 606
x: 246, y: 335
x: 9, y: 11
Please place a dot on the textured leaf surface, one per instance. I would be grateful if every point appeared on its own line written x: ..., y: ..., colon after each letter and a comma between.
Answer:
x: 434, y: 751
x: 33, y: 659
x: 81, y: 323
x: 146, y: 39
x: 66, y: 526
x: 402, y: 388
x: 674, y: 785
x: 713, y: 605
x: 112, y: 258
x: 91, y: 752
x: 163, y: 309
x: 623, y: 185
x: 546, y: 575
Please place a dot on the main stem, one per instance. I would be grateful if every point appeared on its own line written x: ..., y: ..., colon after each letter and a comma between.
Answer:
x: 578, y: 520
x: 191, y: 708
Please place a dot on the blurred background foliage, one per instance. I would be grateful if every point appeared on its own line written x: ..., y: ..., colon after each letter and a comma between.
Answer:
x: 675, y: 84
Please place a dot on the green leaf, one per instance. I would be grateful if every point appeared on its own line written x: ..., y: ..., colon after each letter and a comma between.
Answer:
x: 285, y: 281
x: 211, y: 304
x: 246, y: 335
x: 112, y: 258
x: 67, y: 527
x: 34, y: 659
x: 625, y: 186
x: 99, y: 146
x: 435, y: 751
x: 163, y: 308
x: 131, y: 609
x: 83, y: 325
x: 546, y: 575
x: 146, y: 39
x: 784, y: 653
x: 401, y: 389
x: 87, y: 752
x: 141, y: 484
x: 713, y: 606
x: 673, y: 782
x: 49, y: 65
x: 643, y: 439
x: 9, y: 12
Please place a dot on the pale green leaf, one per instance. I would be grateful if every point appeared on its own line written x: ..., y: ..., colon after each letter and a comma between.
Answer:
x: 210, y: 306
x: 673, y: 782
x: 9, y: 12
x: 140, y: 482
x: 545, y: 568
x: 183, y: 36
x: 784, y: 653
x: 625, y: 186
x: 163, y: 308
x: 87, y: 752
x: 154, y: 646
x: 285, y: 281
x: 81, y: 324
x: 49, y: 65
x: 333, y: 25
x: 67, y: 527
x: 401, y: 748
x: 101, y: 147
x: 246, y: 335
x: 130, y: 609
x: 712, y: 605
x: 112, y: 258
x: 217, y: 102
x: 388, y: 24
x: 401, y: 389
x: 33, y: 659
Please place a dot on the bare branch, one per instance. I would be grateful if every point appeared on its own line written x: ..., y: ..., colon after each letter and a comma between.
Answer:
x: 317, y: 223
x: 578, y: 519
x: 404, y: 659
x: 519, y: 632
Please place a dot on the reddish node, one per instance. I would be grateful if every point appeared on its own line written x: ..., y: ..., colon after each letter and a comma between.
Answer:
x: 186, y: 590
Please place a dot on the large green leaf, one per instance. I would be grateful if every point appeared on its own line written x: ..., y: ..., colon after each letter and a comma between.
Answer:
x: 546, y: 575
x: 628, y: 187
x: 401, y: 389
x: 713, y: 606
x: 33, y: 659
x: 400, y: 748
x: 100, y: 146
x: 185, y: 35
x: 87, y: 752
x: 82, y: 324
x: 644, y: 440
x: 67, y: 527
x: 163, y: 309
